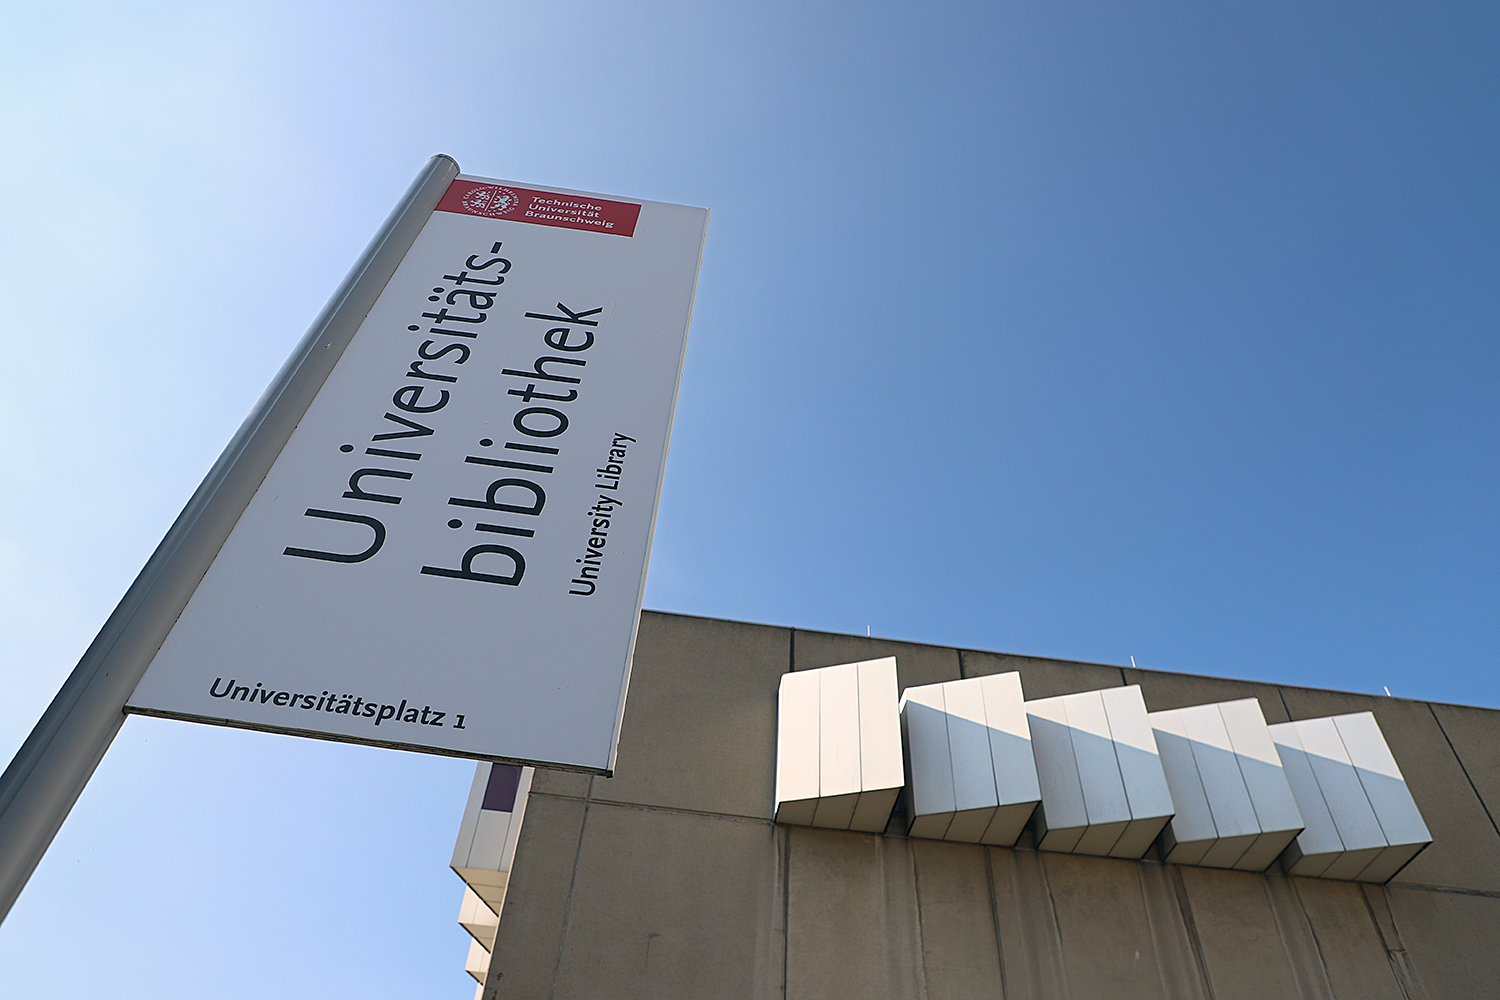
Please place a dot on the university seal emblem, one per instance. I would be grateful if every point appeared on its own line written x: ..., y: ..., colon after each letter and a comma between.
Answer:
x: 491, y: 200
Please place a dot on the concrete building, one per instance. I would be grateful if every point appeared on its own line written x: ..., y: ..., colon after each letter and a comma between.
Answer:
x: 672, y: 880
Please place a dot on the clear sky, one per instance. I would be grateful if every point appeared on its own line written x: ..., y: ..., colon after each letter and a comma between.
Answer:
x: 1089, y: 330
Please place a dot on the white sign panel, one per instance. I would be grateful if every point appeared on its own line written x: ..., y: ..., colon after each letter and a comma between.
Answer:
x: 450, y: 551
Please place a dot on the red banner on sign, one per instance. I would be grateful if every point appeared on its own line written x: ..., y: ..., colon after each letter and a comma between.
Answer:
x: 540, y: 208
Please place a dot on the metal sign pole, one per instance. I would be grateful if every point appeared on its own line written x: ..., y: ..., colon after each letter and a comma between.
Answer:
x: 49, y: 772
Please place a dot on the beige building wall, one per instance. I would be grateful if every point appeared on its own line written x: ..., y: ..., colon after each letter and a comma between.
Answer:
x: 670, y: 880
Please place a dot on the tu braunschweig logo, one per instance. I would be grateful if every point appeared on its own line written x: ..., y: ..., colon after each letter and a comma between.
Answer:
x: 491, y: 200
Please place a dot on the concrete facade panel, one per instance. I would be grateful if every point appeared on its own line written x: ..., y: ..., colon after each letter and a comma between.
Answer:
x: 915, y: 663
x: 524, y: 962
x: 1465, y: 850
x: 670, y: 881
x: 561, y: 784
x: 1164, y: 690
x: 1349, y: 942
x: 1042, y: 677
x: 1474, y: 734
x: 852, y: 930
x: 1298, y: 942
x: 1377, y: 897
x: 1031, y: 958
x: 700, y: 722
x: 1238, y: 939
x: 1106, y: 936
x: 1178, y: 962
x: 659, y: 929
x: 960, y: 956
x: 1452, y: 940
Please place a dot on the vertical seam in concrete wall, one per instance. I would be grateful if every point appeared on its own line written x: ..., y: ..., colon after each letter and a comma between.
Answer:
x: 1462, y: 767
x: 1313, y: 928
x: 1179, y: 888
x: 786, y: 907
x: 562, y: 944
x: 916, y: 895
x: 989, y: 873
x: 962, y: 673
x: 1037, y: 929
x: 1309, y: 970
x: 1395, y: 949
x: 1365, y: 890
x: 1054, y: 926
x: 791, y: 656
x: 1284, y: 706
x: 1176, y: 960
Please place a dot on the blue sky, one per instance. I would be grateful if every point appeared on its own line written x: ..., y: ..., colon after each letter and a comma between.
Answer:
x: 1077, y: 329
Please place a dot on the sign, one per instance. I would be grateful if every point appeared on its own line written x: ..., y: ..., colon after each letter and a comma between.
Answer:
x: 449, y: 552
